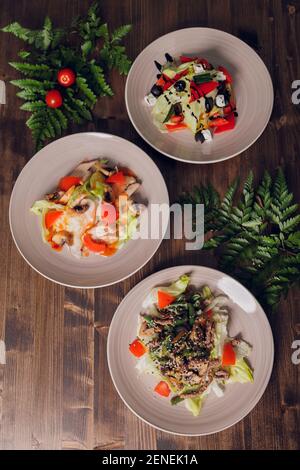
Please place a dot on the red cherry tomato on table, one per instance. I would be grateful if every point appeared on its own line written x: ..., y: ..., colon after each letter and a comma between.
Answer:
x: 54, y: 99
x: 66, y: 77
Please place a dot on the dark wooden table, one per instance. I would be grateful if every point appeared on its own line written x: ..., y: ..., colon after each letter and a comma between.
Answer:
x: 55, y: 389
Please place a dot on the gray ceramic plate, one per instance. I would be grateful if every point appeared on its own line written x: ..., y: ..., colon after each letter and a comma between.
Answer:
x: 217, y: 414
x: 41, y: 175
x: 252, y: 84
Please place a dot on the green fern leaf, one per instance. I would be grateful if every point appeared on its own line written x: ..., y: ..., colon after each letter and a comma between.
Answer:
x: 86, y: 90
x: 120, y: 33
x: 40, y: 71
x: 33, y: 106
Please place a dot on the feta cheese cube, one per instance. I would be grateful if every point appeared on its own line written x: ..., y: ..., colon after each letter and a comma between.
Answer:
x: 220, y: 101
x: 198, y: 68
x: 207, y: 135
x: 150, y: 99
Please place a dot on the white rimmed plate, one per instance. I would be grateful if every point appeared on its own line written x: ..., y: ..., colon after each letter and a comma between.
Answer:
x: 41, y: 175
x: 247, y: 319
x: 252, y: 84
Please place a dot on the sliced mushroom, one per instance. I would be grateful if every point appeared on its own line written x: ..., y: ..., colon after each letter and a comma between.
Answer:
x: 62, y: 237
x: 54, y: 196
x: 84, y: 169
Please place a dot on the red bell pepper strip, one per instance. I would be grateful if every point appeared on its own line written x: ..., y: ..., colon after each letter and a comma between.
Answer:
x: 163, y: 389
x: 229, y: 356
x: 207, y: 87
x: 94, y: 245
x: 164, y: 299
x: 117, y: 178
x: 226, y: 73
x: 176, y: 127
x: 184, y: 59
x: 68, y: 181
x: 218, y: 122
x: 137, y: 348
x: 180, y: 74
x: 51, y: 217
x: 226, y: 127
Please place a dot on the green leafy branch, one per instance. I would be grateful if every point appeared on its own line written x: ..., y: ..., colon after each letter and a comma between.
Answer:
x: 88, y: 48
x: 256, y: 239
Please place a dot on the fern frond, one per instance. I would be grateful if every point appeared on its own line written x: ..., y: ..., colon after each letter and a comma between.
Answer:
x: 86, y: 91
x: 120, y: 33
x: 40, y: 71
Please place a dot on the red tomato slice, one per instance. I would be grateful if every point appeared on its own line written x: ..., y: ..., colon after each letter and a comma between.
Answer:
x: 176, y: 127
x: 164, y: 299
x: 226, y: 127
x: 228, y: 357
x: 68, y: 181
x: 163, y: 389
x: 209, y: 313
x: 117, y: 178
x: 137, y: 348
x: 184, y: 59
x: 51, y: 217
x: 93, y: 245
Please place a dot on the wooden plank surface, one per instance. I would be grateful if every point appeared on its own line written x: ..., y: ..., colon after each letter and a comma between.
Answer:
x: 55, y: 389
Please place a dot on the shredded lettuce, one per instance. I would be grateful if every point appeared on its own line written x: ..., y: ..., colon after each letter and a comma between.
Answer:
x: 194, y: 405
x: 44, y: 205
x: 147, y: 366
x: 221, y: 333
x: 240, y: 372
x: 174, y: 289
x: 242, y: 349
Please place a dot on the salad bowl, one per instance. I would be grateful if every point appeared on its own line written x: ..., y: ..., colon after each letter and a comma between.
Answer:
x: 40, y: 177
x: 136, y: 380
x: 252, y: 85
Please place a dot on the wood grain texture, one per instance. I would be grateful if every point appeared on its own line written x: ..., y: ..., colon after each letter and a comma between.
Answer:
x: 55, y: 390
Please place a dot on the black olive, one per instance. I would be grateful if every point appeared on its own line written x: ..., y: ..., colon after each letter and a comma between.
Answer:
x: 156, y: 90
x: 169, y: 58
x: 177, y: 109
x: 158, y: 65
x: 236, y: 114
x: 180, y: 85
x: 199, y: 137
x: 158, y: 75
x: 209, y: 104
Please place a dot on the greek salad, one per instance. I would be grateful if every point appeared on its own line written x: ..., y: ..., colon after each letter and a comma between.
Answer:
x: 192, y: 94
x: 183, y: 340
x: 89, y: 208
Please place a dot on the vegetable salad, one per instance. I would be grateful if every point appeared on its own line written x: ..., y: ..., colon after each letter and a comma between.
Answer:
x: 88, y: 209
x: 183, y: 340
x: 192, y: 94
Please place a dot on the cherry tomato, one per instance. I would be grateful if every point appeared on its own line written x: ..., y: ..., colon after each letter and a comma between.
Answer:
x: 66, y: 77
x: 137, y: 348
x: 67, y: 182
x: 163, y: 389
x: 51, y: 217
x: 228, y: 357
x: 54, y: 99
x: 96, y: 246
